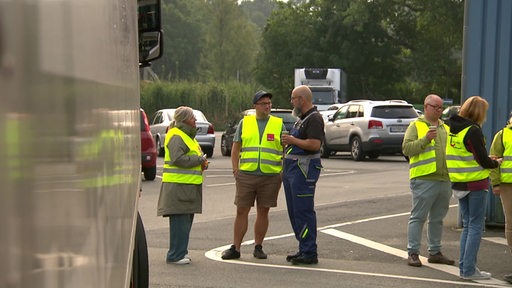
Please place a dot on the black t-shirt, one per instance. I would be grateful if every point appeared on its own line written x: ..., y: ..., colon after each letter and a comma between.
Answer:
x: 312, y: 127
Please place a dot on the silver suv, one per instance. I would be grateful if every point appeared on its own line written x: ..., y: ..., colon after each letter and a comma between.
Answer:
x: 368, y: 128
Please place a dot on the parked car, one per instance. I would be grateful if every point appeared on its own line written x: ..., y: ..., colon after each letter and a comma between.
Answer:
x: 148, y: 148
x: 335, y: 106
x: 449, y: 112
x: 205, y: 132
x: 368, y: 128
x: 227, y: 136
x: 330, y: 111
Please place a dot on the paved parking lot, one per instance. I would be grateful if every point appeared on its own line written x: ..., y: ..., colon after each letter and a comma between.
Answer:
x: 362, y: 210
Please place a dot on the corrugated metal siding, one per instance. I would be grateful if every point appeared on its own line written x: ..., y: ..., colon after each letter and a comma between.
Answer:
x: 486, y: 69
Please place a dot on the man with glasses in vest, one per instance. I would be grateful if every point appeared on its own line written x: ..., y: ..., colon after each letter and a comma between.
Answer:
x: 256, y: 158
x: 425, y: 144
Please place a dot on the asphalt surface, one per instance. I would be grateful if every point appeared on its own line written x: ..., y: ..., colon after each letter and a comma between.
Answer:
x: 362, y: 210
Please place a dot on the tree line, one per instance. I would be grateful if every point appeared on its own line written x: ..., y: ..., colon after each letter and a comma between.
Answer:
x: 225, y: 50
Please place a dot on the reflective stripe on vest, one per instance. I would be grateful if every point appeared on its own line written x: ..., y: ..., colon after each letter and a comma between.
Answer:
x: 269, y: 153
x: 175, y: 174
x: 425, y: 162
x: 462, y: 166
x: 506, y: 165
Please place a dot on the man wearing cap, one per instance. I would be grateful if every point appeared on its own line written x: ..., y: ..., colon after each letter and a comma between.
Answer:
x: 301, y: 170
x: 256, y: 157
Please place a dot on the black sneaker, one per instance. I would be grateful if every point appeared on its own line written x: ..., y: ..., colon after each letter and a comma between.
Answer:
x: 304, y: 260
x: 231, y: 253
x: 289, y: 258
x: 258, y: 252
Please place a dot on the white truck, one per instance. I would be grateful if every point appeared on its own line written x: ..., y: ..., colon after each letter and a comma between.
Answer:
x: 327, y: 84
x: 70, y: 121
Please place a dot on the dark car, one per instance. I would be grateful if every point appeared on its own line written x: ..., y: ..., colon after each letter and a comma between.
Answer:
x: 227, y: 136
x: 148, y: 148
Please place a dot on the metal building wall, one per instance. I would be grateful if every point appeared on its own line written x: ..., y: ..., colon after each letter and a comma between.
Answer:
x: 486, y: 67
x: 486, y: 71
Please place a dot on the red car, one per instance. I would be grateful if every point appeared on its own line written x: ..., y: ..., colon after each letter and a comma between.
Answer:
x: 148, y: 148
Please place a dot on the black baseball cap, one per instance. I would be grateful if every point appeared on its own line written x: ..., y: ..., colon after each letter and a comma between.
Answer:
x: 260, y: 94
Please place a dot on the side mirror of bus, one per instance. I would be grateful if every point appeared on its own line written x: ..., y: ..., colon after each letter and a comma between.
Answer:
x: 150, y: 31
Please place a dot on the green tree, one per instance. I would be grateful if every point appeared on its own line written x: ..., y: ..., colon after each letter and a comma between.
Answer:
x: 183, y: 40
x: 390, y: 49
x: 334, y: 34
x: 231, y: 43
x: 258, y: 11
x: 436, y: 50
x: 283, y: 48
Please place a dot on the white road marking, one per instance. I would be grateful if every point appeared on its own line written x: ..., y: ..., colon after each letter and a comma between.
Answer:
x: 339, y: 172
x: 497, y: 240
x: 403, y: 254
x: 214, y: 254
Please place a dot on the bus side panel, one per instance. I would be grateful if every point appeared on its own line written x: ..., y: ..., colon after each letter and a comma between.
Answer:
x: 70, y: 142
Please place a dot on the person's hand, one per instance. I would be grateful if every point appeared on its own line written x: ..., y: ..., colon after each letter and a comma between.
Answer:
x: 496, y: 190
x: 204, y: 164
x: 499, y: 160
x: 286, y: 139
x: 431, y: 134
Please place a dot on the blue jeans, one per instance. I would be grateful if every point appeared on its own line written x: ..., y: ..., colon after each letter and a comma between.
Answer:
x: 179, y: 230
x: 472, y: 208
x: 430, y: 199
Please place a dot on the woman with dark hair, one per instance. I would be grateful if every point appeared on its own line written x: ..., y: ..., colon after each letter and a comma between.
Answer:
x: 468, y: 166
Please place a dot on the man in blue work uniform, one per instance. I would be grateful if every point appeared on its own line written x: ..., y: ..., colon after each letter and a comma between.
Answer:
x: 301, y: 169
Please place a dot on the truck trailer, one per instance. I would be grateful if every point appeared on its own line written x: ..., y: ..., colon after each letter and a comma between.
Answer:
x: 70, y: 163
x: 327, y: 84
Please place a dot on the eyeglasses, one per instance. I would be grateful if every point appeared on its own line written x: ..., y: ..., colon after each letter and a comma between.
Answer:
x: 264, y: 103
x: 436, y: 107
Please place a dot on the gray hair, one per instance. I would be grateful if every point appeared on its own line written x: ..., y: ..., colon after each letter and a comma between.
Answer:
x: 181, y: 114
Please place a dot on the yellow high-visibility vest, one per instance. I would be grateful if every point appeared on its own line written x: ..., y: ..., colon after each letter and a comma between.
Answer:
x: 506, y: 165
x: 425, y: 162
x: 12, y: 137
x: 462, y: 166
x: 269, y: 153
x: 175, y: 174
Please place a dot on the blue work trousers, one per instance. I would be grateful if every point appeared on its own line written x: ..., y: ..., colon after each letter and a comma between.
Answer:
x: 179, y: 230
x: 300, y: 199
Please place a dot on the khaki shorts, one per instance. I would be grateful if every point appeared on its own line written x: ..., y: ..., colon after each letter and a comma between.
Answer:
x: 263, y: 189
